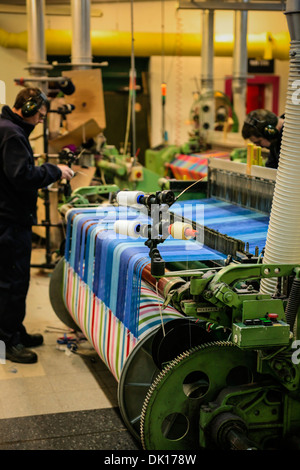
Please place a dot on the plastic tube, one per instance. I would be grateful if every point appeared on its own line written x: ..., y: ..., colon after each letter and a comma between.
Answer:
x: 283, y: 238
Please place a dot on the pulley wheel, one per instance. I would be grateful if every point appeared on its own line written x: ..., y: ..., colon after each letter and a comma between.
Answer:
x: 136, y: 378
x: 171, y: 411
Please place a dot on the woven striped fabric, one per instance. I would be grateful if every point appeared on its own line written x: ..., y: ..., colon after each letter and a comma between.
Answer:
x: 193, y: 167
x: 103, y: 288
x: 229, y: 219
x: 112, y: 340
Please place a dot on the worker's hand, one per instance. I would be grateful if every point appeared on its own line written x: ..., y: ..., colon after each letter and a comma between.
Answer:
x: 66, y: 172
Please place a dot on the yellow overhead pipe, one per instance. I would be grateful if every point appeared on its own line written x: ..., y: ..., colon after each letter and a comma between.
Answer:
x: 118, y: 43
x: 281, y: 44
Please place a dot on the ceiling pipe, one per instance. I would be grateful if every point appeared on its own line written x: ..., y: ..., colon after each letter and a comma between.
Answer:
x: 36, y: 49
x: 118, y: 43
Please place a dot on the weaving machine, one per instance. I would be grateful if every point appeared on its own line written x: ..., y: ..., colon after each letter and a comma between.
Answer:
x: 202, y: 359
x: 236, y: 208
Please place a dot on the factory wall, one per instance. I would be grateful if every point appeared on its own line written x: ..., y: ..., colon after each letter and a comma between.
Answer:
x: 182, y: 74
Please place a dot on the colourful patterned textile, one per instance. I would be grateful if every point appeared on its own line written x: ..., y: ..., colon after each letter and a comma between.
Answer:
x: 193, y: 167
x: 103, y: 287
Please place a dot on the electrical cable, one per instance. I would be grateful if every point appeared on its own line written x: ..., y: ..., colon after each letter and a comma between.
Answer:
x: 133, y: 86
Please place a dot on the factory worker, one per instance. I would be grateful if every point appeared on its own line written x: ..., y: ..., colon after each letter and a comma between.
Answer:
x: 265, y: 129
x: 20, y: 180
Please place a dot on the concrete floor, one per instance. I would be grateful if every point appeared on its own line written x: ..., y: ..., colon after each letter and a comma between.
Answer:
x: 63, y: 390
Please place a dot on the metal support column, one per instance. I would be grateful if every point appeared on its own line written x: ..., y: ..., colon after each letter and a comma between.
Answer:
x: 240, y: 66
x: 81, y: 36
x: 207, y: 81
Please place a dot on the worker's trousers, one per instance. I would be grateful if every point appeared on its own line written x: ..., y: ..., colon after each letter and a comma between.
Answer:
x: 15, y: 254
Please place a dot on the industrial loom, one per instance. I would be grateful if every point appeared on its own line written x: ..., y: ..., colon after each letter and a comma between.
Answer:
x: 196, y: 311
x: 170, y: 301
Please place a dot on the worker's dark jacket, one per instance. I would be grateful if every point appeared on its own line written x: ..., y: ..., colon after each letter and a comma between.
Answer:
x: 20, y: 178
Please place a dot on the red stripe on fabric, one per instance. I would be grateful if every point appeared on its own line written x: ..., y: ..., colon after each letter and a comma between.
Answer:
x: 127, y: 344
x: 149, y: 305
x: 108, y: 340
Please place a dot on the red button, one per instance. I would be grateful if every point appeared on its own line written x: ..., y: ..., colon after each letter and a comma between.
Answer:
x: 273, y: 315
